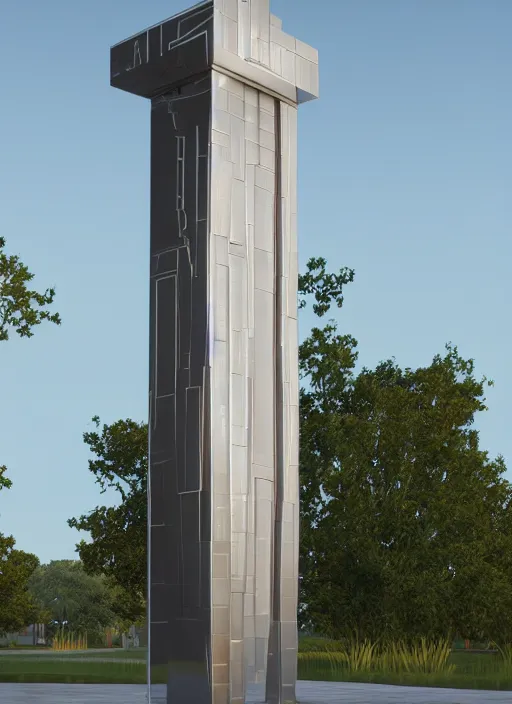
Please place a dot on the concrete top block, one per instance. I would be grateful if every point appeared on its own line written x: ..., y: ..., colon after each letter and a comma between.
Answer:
x: 276, y: 22
x: 238, y: 37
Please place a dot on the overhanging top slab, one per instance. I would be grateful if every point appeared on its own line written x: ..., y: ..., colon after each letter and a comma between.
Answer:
x: 240, y: 37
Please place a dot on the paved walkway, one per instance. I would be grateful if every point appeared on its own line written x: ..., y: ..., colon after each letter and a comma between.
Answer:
x: 308, y: 693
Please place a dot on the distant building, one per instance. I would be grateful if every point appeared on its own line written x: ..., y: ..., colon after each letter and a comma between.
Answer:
x: 34, y: 635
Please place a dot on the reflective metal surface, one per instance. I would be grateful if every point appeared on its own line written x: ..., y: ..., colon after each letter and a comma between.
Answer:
x: 224, y: 426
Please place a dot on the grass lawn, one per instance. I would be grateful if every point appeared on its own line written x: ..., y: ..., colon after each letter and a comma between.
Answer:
x: 114, y: 653
x: 71, y: 670
x: 472, y: 671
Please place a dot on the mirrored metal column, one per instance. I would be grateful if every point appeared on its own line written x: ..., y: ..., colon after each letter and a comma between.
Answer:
x: 224, y: 82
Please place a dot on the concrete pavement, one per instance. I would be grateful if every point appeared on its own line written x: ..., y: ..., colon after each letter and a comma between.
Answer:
x: 308, y: 693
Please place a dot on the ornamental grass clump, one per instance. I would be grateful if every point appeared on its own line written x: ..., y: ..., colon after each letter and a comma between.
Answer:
x: 363, y: 656
x: 425, y: 656
x: 330, y: 662
x: 63, y: 640
x: 505, y: 657
x: 360, y: 655
x: 352, y: 656
x: 504, y: 652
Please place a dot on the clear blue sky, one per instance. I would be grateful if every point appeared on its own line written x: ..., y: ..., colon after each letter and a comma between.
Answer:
x: 405, y: 175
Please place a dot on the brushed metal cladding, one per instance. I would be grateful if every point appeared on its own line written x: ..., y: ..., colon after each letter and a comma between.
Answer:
x: 224, y: 82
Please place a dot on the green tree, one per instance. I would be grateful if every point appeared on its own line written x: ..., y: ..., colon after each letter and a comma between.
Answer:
x: 71, y: 598
x: 21, y: 308
x: 118, y: 533
x: 17, y: 607
x: 405, y: 521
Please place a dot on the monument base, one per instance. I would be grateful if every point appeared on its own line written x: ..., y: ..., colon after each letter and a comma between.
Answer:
x: 255, y: 694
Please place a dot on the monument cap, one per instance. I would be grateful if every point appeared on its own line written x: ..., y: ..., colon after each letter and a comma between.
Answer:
x: 238, y: 37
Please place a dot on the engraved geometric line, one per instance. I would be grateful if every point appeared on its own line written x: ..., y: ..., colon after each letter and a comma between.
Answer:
x: 180, y: 184
x: 200, y: 11
x: 136, y: 55
x: 154, y: 26
x: 194, y: 266
x: 172, y: 266
x: 173, y: 97
x: 175, y: 43
x: 197, y: 219
x: 193, y: 393
x: 174, y: 295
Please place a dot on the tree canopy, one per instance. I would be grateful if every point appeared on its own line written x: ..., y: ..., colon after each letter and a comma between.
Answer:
x: 21, y: 309
x: 118, y: 533
x: 72, y: 599
x: 405, y: 521
x: 17, y: 607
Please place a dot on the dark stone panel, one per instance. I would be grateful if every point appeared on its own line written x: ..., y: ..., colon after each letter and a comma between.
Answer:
x: 185, y: 319
x: 202, y: 193
x: 164, y: 263
x: 154, y: 39
x: 190, y: 642
x: 190, y: 554
x: 163, y: 430
x: 129, y: 56
x: 157, y: 553
x: 190, y: 516
x: 165, y: 602
x: 159, y: 475
x: 165, y: 502
x: 193, y: 440
x: 166, y: 55
x: 188, y: 684
x: 206, y: 590
x: 199, y: 331
x: 191, y: 579
x: 159, y: 643
x: 166, y: 335
x: 164, y: 234
x: 187, y: 24
x: 180, y: 548
x: 165, y: 555
x: 205, y: 516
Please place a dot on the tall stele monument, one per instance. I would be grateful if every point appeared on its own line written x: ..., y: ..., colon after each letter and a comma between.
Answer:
x: 224, y: 82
